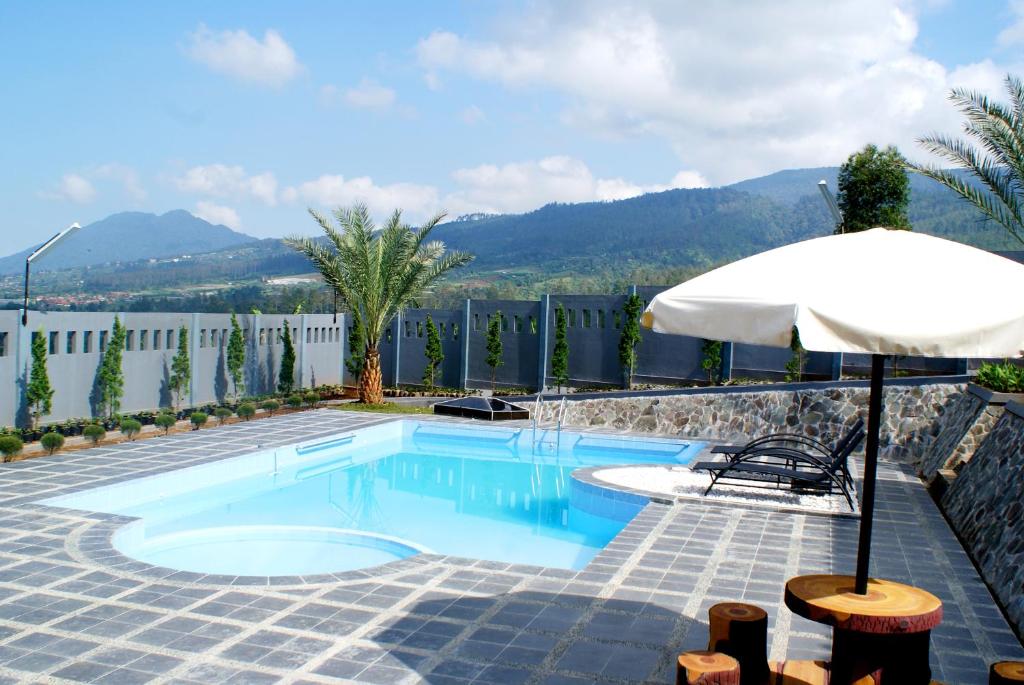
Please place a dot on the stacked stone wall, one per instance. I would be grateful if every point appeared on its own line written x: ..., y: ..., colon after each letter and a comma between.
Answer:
x: 985, y: 505
x: 910, y: 421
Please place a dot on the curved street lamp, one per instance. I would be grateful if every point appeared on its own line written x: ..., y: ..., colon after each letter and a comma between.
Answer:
x: 41, y: 251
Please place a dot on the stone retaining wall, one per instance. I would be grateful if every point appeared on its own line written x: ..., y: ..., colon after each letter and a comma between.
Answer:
x: 985, y: 505
x: 911, y: 414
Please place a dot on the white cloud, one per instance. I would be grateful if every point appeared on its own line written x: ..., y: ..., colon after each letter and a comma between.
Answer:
x: 221, y: 180
x: 1014, y: 33
x: 126, y: 176
x: 416, y: 201
x: 270, y: 62
x: 370, y: 95
x: 472, y: 115
x: 733, y: 97
x: 523, y: 186
x: 218, y: 214
x: 72, y: 188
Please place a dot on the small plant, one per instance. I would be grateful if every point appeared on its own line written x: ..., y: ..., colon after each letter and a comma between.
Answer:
x: 633, y: 309
x: 94, y: 432
x: 494, y: 349
x: 246, y: 410
x: 39, y: 392
x: 181, y: 369
x: 711, y: 360
x: 433, y: 352
x: 560, y: 354
x: 1001, y: 377
x: 294, y: 401
x: 222, y: 414
x: 795, y: 365
x: 52, y: 441
x: 270, y: 406
x: 286, y: 376
x: 130, y: 428
x: 198, y: 419
x: 10, y: 445
x: 165, y: 421
x: 311, y: 398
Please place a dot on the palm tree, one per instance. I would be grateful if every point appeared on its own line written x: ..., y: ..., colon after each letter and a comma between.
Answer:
x: 997, y: 161
x: 378, y: 272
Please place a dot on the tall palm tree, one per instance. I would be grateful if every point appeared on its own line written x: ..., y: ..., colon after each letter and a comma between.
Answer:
x: 997, y: 161
x: 378, y: 272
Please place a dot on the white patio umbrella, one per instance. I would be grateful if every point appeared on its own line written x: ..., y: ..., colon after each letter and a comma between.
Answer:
x: 880, y: 292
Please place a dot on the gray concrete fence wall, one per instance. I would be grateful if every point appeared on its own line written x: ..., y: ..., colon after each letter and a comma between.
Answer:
x: 76, y: 340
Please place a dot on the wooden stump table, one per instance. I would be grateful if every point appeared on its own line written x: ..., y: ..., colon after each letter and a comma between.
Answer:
x: 1006, y: 673
x: 883, y: 634
x: 741, y: 631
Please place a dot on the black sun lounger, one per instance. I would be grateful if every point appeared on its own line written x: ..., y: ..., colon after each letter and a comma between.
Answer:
x: 785, y: 466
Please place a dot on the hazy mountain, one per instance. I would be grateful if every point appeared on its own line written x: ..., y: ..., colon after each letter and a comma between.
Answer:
x: 688, y: 228
x: 130, y: 236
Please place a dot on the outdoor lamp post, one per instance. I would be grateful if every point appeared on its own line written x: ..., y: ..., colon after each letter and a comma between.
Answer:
x: 40, y: 251
x: 833, y: 207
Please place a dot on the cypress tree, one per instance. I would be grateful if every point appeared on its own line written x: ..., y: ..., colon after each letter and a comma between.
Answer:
x: 795, y: 365
x: 39, y: 393
x: 630, y: 338
x: 111, y: 380
x: 236, y: 356
x: 494, y: 359
x: 560, y: 355
x: 433, y: 352
x: 286, y: 376
x: 181, y: 368
x: 356, y: 346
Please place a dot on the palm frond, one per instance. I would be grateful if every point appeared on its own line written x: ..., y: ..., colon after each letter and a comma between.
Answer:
x: 993, y: 153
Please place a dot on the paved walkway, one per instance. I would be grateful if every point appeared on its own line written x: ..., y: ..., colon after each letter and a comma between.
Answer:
x: 71, y: 609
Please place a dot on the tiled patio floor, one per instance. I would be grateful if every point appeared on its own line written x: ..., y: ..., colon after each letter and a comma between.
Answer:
x: 72, y: 611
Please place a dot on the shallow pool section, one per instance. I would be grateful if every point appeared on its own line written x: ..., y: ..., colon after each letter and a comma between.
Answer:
x: 381, y: 494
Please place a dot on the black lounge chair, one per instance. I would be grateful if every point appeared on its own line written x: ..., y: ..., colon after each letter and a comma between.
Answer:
x: 787, y: 466
x: 802, y: 443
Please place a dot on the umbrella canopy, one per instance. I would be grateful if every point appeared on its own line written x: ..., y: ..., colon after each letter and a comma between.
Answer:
x: 880, y: 291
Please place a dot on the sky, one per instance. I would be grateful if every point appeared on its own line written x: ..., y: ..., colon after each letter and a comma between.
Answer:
x: 248, y: 113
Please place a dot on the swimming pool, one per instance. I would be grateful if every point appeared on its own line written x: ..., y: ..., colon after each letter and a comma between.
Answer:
x: 380, y: 494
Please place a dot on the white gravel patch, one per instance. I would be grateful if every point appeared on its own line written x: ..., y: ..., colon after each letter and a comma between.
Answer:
x: 682, y: 483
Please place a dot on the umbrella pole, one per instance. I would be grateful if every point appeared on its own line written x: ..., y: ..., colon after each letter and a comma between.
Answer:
x: 867, y: 508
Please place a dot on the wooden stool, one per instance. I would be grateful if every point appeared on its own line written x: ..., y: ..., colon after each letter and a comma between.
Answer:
x: 883, y: 634
x: 1006, y: 673
x: 741, y: 631
x: 707, y: 668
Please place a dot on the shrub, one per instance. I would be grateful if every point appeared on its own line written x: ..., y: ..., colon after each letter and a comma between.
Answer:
x: 198, y: 418
x: 52, y: 441
x: 94, y: 432
x: 166, y: 421
x: 10, y: 445
x: 311, y: 398
x: 271, y: 406
x: 294, y: 401
x: 130, y: 428
x: 1001, y: 377
x: 222, y: 414
x: 246, y: 410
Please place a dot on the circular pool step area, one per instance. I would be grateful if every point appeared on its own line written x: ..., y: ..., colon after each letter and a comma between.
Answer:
x: 265, y: 550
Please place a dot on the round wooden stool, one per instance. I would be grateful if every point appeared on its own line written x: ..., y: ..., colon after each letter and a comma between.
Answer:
x: 707, y: 668
x: 1006, y: 673
x: 883, y: 634
x: 741, y: 631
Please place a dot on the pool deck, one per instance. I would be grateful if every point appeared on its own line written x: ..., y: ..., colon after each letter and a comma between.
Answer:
x: 73, y: 610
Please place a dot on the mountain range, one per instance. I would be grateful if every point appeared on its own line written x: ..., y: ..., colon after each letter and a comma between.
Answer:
x: 684, y: 228
x: 131, y: 236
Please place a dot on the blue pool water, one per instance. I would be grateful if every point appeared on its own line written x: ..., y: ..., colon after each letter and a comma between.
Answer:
x: 380, y: 494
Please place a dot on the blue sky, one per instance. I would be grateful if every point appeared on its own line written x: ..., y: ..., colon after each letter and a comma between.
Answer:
x: 247, y: 113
